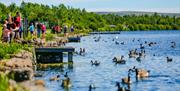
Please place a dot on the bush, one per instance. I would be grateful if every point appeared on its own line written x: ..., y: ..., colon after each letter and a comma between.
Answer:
x: 7, y: 49
x: 49, y: 36
x: 3, y: 83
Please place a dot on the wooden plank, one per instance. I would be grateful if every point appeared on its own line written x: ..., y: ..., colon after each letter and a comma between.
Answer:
x: 51, y: 50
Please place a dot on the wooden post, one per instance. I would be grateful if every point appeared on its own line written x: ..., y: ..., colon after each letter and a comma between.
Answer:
x: 70, y: 57
x: 61, y: 57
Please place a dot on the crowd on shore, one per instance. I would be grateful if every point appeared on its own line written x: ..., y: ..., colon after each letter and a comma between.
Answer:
x: 13, y: 29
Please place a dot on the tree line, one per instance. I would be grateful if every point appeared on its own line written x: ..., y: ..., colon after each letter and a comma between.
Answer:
x: 85, y: 21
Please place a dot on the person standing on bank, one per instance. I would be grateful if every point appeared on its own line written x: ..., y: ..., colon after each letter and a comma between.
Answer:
x: 11, y: 26
x: 31, y: 29
x: 43, y: 28
x: 65, y: 30
x: 38, y: 30
x: 17, y: 21
x: 72, y: 29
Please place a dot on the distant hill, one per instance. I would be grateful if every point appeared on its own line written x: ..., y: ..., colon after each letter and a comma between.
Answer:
x: 122, y: 13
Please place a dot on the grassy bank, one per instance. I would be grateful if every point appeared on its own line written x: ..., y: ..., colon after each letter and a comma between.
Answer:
x: 6, y: 50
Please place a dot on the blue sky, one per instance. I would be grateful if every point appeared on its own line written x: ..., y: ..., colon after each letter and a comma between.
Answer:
x: 168, y: 6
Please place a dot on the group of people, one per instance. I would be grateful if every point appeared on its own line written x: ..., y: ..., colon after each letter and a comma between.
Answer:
x: 40, y: 27
x: 57, y: 29
x: 12, y: 28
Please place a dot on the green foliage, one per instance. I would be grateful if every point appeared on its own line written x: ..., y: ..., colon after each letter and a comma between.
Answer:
x: 7, y: 49
x: 84, y: 21
x: 3, y: 82
x: 1, y: 31
x: 49, y: 36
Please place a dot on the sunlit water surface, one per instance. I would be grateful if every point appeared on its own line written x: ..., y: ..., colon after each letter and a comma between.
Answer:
x: 163, y: 76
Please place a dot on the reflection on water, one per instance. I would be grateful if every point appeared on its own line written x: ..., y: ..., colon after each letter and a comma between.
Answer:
x: 164, y: 76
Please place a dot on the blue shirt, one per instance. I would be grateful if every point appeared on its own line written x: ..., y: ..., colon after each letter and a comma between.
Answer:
x: 31, y: 28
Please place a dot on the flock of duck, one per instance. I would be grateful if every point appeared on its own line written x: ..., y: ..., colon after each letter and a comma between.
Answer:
x: 126, y: 82
x: 66, y: 82
x: 139, y: 72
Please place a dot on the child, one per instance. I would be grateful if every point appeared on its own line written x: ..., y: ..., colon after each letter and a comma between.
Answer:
x: 31, y: 29
x: 6, y: 34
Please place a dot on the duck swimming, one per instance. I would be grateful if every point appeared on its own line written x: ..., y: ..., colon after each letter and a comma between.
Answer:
x: 169, y: 59
x: 91, y: 86
x: 96, y: 63
x: 127, y: 80
x: 66, y: 74
x: 119, y: 60
x: 119, y: 87
x: 133, y: 53
x: 66, y: 83
x: 141, y: 73
x: 55, y: 78
x: 141, y: 46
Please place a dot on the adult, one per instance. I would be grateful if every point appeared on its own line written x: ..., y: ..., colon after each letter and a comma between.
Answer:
x: 43, y: 28
x: 11, y: 26
x: 57, y: 29
x: 65, y: 30
x: 38, y: 29
x: 17, y: 21
x: 6, y: 34
x: 53, y: 29
x: 4, y: 25
x: 72, y: 29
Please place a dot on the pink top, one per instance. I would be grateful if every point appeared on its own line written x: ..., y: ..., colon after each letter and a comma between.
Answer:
x: 43, y: 27
x: 18, y: 21
x: 6, y: 33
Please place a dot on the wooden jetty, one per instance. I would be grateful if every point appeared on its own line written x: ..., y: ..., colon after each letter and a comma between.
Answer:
x: 53, y: 54
x: 108, y: 32
x: 74, y: 39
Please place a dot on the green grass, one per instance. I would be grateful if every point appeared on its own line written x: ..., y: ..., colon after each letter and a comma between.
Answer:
x: 0, y: 31
x: 4, y: 82
x: 7, y: 49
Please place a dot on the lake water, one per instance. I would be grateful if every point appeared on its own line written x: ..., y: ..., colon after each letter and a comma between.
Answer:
x: 163, y: 76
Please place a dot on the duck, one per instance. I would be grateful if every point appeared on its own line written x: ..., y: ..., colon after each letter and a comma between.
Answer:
x: 169, y: 59
x: 55, y: 78
x: 173, y: 44
x: 141, y: 46
x: 138, y: 58
x: 119, y: 60
x: 133, y: 40
x: 127, y: 80
x: 91, y: 86
x: 119, y: 87
x: 81, y: 51
x: 96, y: 63
x: 66, y: 83
x: 145, y: 42
x: 141, y: 73
x: 117, y: 43
x: 39, y: 83
x: 133, y: 53
x: 142, y: 53
x: 66, y: 74
x: 122, y: 43
x: 84, y: 50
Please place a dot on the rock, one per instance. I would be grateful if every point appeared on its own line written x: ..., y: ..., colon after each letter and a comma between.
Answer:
x: 20, y: 75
